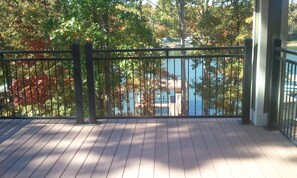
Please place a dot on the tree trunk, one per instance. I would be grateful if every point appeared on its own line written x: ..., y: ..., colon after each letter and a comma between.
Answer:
x: 107, y: 65
x: 182, y: 28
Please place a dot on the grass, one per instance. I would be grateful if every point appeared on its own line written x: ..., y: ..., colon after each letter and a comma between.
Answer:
x: 292, y: 45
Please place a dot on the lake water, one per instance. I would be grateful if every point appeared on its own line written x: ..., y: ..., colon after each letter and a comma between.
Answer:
x: 195, y: 108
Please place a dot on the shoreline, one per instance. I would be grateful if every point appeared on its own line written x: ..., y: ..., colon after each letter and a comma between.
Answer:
x: 292, y: 44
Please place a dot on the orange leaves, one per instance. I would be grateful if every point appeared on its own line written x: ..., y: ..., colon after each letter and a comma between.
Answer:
x: 35, y: 44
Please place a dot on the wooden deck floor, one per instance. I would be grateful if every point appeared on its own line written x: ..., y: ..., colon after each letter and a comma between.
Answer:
x: 144, y: 148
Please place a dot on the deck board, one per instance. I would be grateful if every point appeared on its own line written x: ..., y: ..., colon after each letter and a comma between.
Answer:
x: 118, y: 163
x: 98, y: 147
x: 19, y: 137
x: 205, y: 163
x: 42, y: 152
x: 78, y: 159
x: 161, y: 168
x: 133, y: 161
x: 188, y: 151
x: 31, y: 149
x: 14, y: 152
x: 285, y: 149
x: 176, y: 166
x: 156, y: 148
x: 217, y: 157
x: 241, y: 150
x: 271, y: 152
x: 259, y: 154
x: 67, y: 135
x: 228, y: 151
x: 105, y: 161
x: 146, y: 169
x: 66, y: 157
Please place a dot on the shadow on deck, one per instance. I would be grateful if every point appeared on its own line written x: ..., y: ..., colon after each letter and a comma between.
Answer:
x: 143, y: 148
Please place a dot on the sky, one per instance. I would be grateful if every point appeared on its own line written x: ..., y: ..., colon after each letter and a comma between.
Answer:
x: 153, y: 2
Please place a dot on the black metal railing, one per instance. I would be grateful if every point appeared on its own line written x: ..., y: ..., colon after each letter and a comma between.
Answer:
x: 169, y: 82
x: 40, y: 83
x: 284, y: 91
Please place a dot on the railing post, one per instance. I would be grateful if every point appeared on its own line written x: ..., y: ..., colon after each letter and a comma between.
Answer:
x: 91, y: 82
x: 77, y: 83
x: 275, y: 87
x: 247, y: 81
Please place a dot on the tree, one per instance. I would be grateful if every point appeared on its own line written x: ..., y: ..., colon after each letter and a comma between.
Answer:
x: 110, y: 24
x: 203, y: 20
x: 27, y: 25
x: 292, y: 20
x: 211, y: 29
x: 53, y: 24
x: 182, y: 30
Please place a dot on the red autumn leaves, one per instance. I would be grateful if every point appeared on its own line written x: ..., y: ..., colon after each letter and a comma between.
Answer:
x: 37, y: 89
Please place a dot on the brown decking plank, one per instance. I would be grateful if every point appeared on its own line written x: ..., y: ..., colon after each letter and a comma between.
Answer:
x: 64, y: 160
x: 103, y: 164
x: 217, y: 157
x: 31, y: 151
x: 94, y: 155
x: 43, y: 152
x: 133, y: 160
x: 79, y: 158
x: 57, y: 149
x: 161, y: 150
x: 4, y: 122
x: 146, y: 168
x: 228, y: 150
x: 202, y: 154
x: 286, y: 149
x: 18, y: 136
x: 10, y: 130
x: 268, y: 148
x: 66, y: 157
x: 288, y: 144
x: 9, y: 146
x: 188, y: 152
x: 7, y: 168
x: 265, y: 162
x: 176, y: 167
x: 255, y: 151
x: 118, y: 163
x: 249, y: 147
x: 241, y: 150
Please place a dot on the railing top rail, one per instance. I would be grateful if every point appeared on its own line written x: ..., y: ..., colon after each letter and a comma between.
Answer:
x: 36, y: 59
x: 170, y: 49
x: 171, y: 57
x: 285, y: 50
x: 33, y: 51
x: 286, y: 60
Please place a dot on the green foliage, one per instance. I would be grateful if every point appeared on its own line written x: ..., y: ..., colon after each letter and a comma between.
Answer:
x: 211, y: 23
x: 122, y: 24
x: 292, y: 30
x: 56, y: 24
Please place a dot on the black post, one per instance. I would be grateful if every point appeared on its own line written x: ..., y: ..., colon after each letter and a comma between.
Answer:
x: 91, y: 82
x: 247, y: 81
x: 77, y: 83
x: 275, y: 87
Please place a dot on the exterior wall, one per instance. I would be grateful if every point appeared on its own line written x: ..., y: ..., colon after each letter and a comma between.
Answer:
x: 270, y: 22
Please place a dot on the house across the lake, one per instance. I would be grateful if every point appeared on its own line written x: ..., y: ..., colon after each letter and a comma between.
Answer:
x: 167, y: 102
